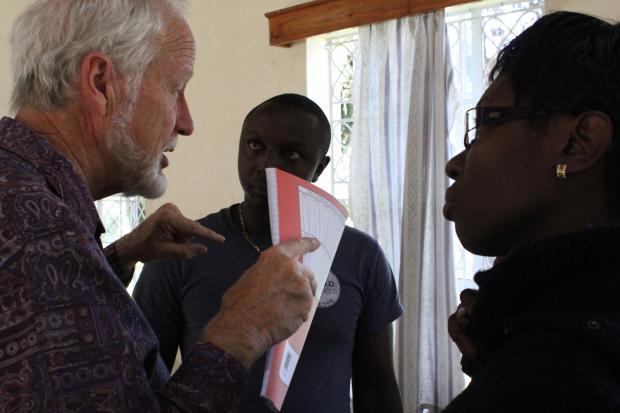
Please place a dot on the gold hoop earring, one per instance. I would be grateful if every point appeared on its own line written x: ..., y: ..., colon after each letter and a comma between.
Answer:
x: 560, y: 171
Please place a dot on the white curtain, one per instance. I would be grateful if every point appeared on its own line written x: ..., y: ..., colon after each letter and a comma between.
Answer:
x: 402, y: 100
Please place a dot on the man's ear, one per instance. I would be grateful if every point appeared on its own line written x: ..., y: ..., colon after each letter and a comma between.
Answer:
x: 320, y: 167
x: 589, y: 141
x: 97, y: 83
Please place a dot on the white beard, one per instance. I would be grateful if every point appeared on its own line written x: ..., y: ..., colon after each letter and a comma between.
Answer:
x: 139, y: 174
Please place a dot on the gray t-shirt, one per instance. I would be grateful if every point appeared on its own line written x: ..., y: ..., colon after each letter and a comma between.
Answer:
x: 178, y: 297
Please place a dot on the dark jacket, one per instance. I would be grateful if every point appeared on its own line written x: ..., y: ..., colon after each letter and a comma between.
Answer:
x: 546, y: 325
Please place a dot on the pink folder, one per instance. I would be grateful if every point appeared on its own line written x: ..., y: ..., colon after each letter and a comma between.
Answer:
x: 297, y: 208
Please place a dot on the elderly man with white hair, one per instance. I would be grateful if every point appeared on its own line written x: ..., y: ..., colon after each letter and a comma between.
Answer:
x: 99, y: 97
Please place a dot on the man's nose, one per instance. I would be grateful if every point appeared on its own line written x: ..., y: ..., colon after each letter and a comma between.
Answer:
x: 184, y: 122
x: 270, y: 160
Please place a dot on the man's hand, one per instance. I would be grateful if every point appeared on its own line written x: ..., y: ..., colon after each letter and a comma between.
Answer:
x: 266, y: 305
x: 166, y: 234
x: 457, y: 327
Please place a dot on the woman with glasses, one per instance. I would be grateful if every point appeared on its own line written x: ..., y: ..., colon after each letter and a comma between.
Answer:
x: 538, y: 184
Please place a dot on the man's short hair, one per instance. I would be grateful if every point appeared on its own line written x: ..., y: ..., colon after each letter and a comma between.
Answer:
x: 569, y: 63
x: 52, y: 36
x: 305, y: 104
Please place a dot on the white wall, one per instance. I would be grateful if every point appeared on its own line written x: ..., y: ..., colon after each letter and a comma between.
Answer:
x: 605, y: 9
x: 9, y: 10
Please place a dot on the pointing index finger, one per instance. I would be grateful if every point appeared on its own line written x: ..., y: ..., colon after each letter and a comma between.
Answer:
x: 199, y: 230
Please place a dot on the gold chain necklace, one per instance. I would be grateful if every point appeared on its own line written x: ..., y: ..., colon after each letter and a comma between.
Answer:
x: 245, y: 233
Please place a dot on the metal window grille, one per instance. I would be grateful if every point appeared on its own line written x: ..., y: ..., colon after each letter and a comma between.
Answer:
x: 341, y: 59
x: 119, y: 215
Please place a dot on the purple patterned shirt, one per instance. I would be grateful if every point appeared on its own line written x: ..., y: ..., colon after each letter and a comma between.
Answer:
x: 71, y: 338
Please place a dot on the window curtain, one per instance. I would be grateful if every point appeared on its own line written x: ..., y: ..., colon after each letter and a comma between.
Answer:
x: 403, y: 98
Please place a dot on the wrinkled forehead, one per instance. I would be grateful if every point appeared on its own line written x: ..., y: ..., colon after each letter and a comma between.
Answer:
x: 177, y: 40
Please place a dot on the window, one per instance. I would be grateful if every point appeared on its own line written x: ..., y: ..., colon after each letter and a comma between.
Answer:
x: 119, y: 215
x: 476, y: 33
x: 331, y: 67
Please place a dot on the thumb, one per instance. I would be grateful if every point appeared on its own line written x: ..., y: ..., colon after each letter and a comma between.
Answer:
x: 298, y: 247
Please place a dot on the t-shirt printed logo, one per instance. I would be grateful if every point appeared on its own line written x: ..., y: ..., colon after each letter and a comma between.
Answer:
x: 331, y: 291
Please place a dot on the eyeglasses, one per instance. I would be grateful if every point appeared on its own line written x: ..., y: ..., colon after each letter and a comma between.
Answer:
x: 480, y: 116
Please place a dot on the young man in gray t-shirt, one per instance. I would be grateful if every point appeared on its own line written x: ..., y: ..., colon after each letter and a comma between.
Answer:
x: 351, y: 334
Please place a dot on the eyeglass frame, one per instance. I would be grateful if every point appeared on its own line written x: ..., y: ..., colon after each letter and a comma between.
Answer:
x: 505, y: 114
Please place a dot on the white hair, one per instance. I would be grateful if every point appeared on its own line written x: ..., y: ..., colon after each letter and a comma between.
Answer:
x: 51, y: 37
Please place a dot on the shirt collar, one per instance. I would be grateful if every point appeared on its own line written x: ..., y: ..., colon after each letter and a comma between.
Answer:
x: 54, y: 167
